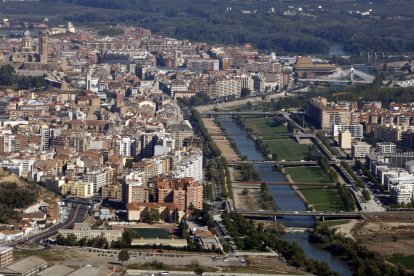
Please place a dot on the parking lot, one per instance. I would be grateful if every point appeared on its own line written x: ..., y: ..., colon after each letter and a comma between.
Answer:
x: 97, y: 257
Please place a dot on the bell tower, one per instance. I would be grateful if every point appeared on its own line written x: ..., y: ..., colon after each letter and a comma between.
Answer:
x: 43, y: 45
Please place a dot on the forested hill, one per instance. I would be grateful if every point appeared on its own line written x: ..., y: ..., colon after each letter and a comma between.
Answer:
x: 382, y: 26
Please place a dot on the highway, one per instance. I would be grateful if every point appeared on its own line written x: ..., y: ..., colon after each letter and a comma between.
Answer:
x: 77, y: 213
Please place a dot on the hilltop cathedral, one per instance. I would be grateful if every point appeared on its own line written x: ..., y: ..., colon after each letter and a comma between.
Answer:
x: 27, y: 53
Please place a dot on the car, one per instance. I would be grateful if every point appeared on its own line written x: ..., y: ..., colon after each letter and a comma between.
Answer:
x: 296, y: 212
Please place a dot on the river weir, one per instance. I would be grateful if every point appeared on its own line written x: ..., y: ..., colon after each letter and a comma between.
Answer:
x: 285, y: 196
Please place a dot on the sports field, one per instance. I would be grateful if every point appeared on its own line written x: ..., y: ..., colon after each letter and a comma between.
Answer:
x: 267, y: 128
x: 287, y: 149
x: 308, y: 175
x: 160, y: 233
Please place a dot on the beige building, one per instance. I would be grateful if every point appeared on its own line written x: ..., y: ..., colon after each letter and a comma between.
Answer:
x: 6, y: 256
x: 25, y: 267
x: 109, y: 235
x: 324, y: 115
x: 391, y: 132
x: 167, y: 242
x: 345, y: 140
x: 78, y: 189
x: 168, y: 212
x: 360, y: 150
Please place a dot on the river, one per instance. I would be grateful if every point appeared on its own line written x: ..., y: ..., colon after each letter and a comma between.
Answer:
x: 285, y: 197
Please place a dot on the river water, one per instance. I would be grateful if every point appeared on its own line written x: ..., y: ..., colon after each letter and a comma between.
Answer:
x: 285, y: 197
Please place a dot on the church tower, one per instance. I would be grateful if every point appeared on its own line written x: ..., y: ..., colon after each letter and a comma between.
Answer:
x: 43, y: 43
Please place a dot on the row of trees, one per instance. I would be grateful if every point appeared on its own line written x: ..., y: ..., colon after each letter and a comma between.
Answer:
x: 248, y: 173
x: 357, y: 180
x: 370, y: 175
x: 359, y: 258
x: 217, y: 164
x: 8, y: 77
x: 346, y: 196
x: 267, y: 201
x: 72, y: 240
x: 323, y: 162
x: 249, y: 236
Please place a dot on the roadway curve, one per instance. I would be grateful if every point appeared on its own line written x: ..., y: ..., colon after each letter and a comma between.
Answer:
x: 77, y: 213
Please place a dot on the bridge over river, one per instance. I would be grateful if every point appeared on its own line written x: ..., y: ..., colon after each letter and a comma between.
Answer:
x: 315, y: 214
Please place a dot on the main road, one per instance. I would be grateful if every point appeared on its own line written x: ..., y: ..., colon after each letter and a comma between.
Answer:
x: 77, y: 213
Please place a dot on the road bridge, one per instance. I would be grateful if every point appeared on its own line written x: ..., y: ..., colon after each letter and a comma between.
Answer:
x: 350, y: 75
x: 314, y: 214
x: 279, y: 163
x: 212, y: 113
x: 257, y: 183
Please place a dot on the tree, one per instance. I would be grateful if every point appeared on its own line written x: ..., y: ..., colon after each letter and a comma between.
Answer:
x: 123, y: 256
x: 199, y: 270
x: 245, y: 92
x: 152, y: 216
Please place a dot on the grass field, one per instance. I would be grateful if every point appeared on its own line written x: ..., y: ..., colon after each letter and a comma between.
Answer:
x: 406, y: 261
x: 152, y: 232
x: 287, y: 149
x: 322, y: 199
x: 308, y: 175
x: 266, y: 127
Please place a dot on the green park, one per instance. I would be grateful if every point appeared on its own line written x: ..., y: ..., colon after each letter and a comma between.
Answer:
x: 320, y: 195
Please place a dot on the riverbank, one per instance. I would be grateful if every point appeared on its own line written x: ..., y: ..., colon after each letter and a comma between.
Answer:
x: 220, y: 139
x: 284, y: 196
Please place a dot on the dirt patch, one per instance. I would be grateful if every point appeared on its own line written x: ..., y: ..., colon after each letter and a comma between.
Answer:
x: 346, y: 229
x: 387, y: 233
x: 249, y: 201
x: 220, y: 140
x: 266, y: 265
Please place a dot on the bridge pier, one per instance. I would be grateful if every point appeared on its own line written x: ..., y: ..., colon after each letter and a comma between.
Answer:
x: 274, y: 218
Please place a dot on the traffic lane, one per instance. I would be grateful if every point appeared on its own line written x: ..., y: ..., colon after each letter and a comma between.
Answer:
x: 74, y: 215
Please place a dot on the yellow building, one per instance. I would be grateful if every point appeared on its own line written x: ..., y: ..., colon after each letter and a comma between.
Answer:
x: 78, y: 189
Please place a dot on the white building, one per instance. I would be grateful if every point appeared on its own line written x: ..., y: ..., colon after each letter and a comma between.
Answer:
x: 357, y: 130
x: 402, y: 188
x: 192, y: 166
x: 360, y: 150
x: 99, y: 179
x: 386, y: 148
x: 127, y: 147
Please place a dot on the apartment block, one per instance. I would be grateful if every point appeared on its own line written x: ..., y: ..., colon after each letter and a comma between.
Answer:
x: 6, y: 256
x: 325, y: 115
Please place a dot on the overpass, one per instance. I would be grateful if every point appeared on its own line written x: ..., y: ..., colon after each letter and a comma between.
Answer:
x: 318, y: 215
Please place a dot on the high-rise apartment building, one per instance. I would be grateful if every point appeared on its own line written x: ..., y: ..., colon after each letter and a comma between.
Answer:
x: 182, y: 192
